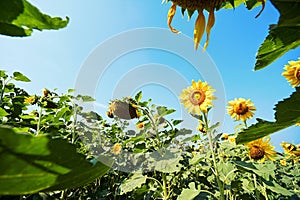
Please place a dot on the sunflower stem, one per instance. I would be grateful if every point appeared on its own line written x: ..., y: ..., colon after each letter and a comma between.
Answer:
x: 73, y: 129
x: 38, y: 126
x: 165, y: 190
x: 255, y: 185
x: 211, y: 146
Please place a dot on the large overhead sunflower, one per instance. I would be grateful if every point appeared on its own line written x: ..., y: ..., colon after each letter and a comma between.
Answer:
x: 200, y: 5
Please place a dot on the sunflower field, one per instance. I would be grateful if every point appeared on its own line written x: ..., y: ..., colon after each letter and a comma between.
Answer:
x: 51, y: 147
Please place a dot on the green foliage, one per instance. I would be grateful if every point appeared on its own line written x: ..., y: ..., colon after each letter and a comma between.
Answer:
x: 287, y: 114
x: 134, y: 182
x: 167, y: 162
x: 283, y: 36
x: 20, y: 77
x: 19, y: 18
x: 30, y: 164
x: 189, y: 194
x: 40, y: 150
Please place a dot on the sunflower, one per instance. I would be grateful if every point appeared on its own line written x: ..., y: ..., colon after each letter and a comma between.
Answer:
x: 117, y: 148
x: 140, y: 126
x: 291, y: 149
x: 261, y: 149
x: 241, y: 109
x: 200, y: 5
x: 197, y: 97
x: 46, y: 92
x: 283, y: 162
x: 201, y: 127
x: 30, y: 100
x: 124, y: 109
x: 292, y: 73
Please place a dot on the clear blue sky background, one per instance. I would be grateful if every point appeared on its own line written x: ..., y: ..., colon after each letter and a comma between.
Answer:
x: 52, y: 59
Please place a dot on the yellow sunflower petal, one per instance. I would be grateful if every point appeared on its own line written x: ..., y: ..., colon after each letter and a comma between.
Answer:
x: 210, y: 24
x: 171, y: 14
x: 199, y: 28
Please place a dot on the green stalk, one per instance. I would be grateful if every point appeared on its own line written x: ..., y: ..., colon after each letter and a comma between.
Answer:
x: 255, y: 185
x: 39, y: 121
x: 74, y: 123
x: 2, y: 89
x: 154, y: 127
x: 165, y: 190
x: 209, y: 135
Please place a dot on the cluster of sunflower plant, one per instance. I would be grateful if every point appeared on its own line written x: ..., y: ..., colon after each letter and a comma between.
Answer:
x: 209, y: 164
x: 151, y: 159
x: 204, y: 164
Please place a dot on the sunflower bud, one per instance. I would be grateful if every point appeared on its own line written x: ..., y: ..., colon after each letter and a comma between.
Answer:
x: 46, y: 92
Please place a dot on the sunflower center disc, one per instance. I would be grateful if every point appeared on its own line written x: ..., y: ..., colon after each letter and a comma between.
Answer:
x: 241, y: 109
x: 257, y: 153
x: 197, y: 97
x: 297, y: 73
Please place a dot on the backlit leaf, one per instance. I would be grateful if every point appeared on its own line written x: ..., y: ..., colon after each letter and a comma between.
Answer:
x: 30, y: 164
x: 19, y: 18
x: 283, y: 36
x: 287, y: 114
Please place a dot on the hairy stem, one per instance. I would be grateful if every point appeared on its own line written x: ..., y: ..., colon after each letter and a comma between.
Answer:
x: 211, y: 146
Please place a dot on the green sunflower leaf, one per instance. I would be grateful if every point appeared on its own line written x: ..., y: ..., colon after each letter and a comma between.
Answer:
x: 189, y: 193
x: 3, y: 113
x: 287, y: 114
x: 20, y: 77
x: 134, y: 182
x: 283, y: 36
x: 19, y: 18
x: 30, y: 164
x: 163, y: 111
x: 138, y: 96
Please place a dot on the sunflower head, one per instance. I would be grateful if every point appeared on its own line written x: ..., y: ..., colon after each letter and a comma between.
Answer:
x: 201, y: 127
x: 193, y: 5
x: 123, y: 109
x: 291, y: 149
x: 30, y: 100
x: 117, y: 148
x: 197, y: 97
x: 200, y: 5
x: 140, y: 126
x: 261, y: 149
x: 241, y: 109
x: 292, y: 73
x: 46, y: 92
x: 283, y: 162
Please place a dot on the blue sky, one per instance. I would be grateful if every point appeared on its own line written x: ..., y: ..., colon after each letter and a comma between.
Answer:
x: 53, y: 59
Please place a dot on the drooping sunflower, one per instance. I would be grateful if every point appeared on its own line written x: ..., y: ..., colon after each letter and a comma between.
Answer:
x: 200, y: 5
x: 124, y: 109
x: 261, y: 149
x: 197, y: 97
x: 292, y: 72
x: 241, y: 109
